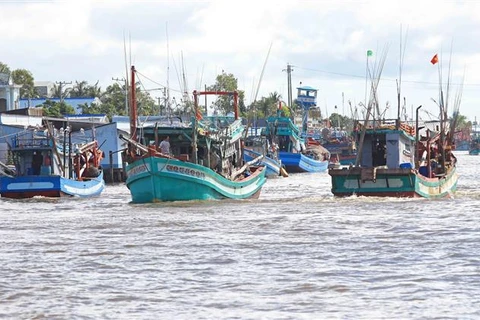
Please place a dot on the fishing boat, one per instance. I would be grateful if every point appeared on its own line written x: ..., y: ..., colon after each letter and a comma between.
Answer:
x: 259, y: 147
x: 387, y: 166
x: 397, y: 159
x: 46, y: 165
x: 296, y: 154
x: 204, y: 161
x: 341, y: 146
x: 474, y: 146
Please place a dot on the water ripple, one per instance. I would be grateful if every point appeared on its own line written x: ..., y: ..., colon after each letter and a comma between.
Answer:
x: 294, y: 253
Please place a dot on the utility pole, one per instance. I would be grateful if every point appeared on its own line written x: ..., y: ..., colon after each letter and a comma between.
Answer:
x: 159, y: 106
x: 126, y: 92
x: 60, y: 84
x: 289, y: 84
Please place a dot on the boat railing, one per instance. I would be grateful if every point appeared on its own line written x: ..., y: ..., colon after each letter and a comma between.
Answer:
x: 31, y: 143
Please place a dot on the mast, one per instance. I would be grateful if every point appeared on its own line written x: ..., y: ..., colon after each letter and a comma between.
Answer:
x: 235, y: 104
x: 133, y: 108
x: 168, y: 72
x: 195, y: 125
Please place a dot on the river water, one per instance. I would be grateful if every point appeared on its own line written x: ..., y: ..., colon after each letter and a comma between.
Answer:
x: 295, y: 253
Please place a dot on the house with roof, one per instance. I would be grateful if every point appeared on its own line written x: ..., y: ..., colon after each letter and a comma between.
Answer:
x: 44, y: 88
x: 9, y: 93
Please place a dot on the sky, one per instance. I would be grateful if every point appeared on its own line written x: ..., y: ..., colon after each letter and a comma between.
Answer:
x: 326, y: 43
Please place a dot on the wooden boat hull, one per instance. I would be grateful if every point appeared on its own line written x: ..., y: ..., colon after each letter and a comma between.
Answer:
x: 297, y: 162
x: 154, y: 179
x: 391, y: 183
x: 272, y: 166
x: 49, y: 186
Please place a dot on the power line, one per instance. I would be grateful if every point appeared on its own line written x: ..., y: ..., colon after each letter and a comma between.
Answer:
x: 157, y: 83
x: 386, y: 79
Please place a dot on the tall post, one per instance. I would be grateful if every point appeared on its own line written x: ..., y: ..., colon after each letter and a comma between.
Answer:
x: 126, y: 97
x: 60, y: 84
x: 70, y: 153
x: 289, y: 84
x: 159, y: 106
x: 206, y: 107
x: 194, y: 134
x: 235, y: 104
x: 133, y: 108
x: 416, y: 136
x: 64, y: 153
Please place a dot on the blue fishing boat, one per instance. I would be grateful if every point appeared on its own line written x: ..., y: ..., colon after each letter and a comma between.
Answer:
x: 203, y: 160
x: 474, y: 145
x: 258, y: 147
x: 45, y: 166
x: 296, y: 154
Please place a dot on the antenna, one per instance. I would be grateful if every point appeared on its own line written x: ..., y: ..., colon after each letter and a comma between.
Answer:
x: 126, y: 74
x: 168, y: 68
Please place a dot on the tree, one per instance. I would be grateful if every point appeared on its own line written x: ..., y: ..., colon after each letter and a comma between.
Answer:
x: 227, y: 82
x: 94, y: 91
x: 83, y: 89
x: 4, y: 68
x: 25, y: 78
x: 56, y: 109
x: 79, y: 89
x: 339, y: 121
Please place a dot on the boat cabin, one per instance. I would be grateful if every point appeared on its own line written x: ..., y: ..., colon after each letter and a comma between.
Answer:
x: 307, y: 97
x: 386, y: 147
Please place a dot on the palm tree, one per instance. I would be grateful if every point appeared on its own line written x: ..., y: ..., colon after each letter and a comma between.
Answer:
x: 94, y: 91
x: 79, y: 89
x: 56, y: 91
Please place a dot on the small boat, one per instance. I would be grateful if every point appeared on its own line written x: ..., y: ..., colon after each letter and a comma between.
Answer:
x: 259, y: 147
x: 46, y: 166
x: 341, y: 146
x: 295, y: 155
x: 204, y: 161
x: 474, y: 145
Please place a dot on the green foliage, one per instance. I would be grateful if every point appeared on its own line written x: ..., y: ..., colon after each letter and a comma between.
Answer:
x: 58, y: 91
x: 83, y: 89
x: 25, y: 78
x: 285, y: 112
x: 4, y: 68
x: 224, y: 104
x: 56, y: 109
x: 337, y: 120
x: 267, y: 106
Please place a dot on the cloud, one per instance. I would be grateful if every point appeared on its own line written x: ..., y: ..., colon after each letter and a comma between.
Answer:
x: 325, y: 40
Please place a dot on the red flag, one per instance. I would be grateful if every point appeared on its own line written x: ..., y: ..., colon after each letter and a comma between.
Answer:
x: 434, y: 59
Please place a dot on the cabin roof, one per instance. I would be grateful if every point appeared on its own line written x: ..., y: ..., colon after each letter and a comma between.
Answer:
x: 307, y: 88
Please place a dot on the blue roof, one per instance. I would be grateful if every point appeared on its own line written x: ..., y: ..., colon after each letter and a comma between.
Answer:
x: 307, y: 88
x: 74, y: 102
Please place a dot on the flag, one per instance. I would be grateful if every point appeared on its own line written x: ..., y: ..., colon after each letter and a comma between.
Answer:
x: 369, y: 53
x: 434, y: 59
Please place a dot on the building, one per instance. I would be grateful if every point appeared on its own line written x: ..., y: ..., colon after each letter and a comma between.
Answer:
x: 44, y: 88
x: 9, y: 93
